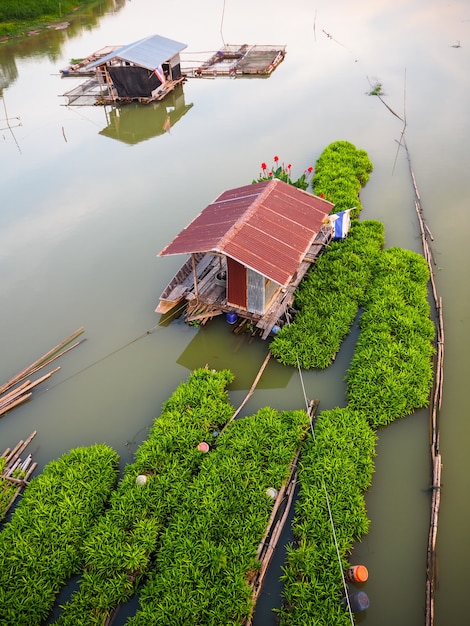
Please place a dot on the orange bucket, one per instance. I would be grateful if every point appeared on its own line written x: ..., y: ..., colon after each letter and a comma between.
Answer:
x: 357, y: 573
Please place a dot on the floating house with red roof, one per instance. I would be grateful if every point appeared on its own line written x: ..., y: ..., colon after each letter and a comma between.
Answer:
x: 248, y: 251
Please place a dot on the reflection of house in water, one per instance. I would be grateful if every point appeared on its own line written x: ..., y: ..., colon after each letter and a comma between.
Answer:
x: 143, y: 71
x: 132, y: 123
x: 218, y: 349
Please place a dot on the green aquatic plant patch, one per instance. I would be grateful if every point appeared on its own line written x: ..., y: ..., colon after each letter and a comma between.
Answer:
x: 340, y: 173
x: 121, y: 546
x: 391, y: 373
x: 329, y: 297
x: 202, y: 569
x: 336, y: 468
x: 40, y: 547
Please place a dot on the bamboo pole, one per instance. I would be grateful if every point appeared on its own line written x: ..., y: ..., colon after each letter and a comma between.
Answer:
x: 20, y: 447
x: 436, y: 399
x: 14, y: 392
x: 12, y: 405
x: 41, y: 362
x: 7, y: 407
x: 252, y: 388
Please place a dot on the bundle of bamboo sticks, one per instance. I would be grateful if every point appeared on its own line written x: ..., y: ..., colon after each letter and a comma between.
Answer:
x: 15, y: 391
x: 13, y: 462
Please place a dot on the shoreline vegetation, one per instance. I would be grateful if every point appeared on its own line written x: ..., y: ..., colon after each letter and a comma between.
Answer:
x: 184, y: 540
x: 18, y: 19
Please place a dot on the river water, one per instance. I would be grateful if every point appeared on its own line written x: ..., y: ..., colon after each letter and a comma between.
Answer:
x: 86, y: 205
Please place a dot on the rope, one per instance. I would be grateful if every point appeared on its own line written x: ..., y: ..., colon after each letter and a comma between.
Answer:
x: 222, y: 23
x: 330, y: 515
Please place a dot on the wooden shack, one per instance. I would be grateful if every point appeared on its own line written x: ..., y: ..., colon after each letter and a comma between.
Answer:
x: 248, y: 250
x: 143, y: 71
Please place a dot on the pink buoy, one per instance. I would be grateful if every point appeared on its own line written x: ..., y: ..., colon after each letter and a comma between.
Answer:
x: 203, y: 447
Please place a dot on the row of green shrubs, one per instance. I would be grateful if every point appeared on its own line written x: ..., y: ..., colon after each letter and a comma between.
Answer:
x: 329, y: 297
x: 119, y: 549
x: 186, y: 540
x: 336, y: 469
x: 331, y: 294
x: 40, y: 547
x: 340, y: 173
x: 390, y: 376
x: 208, y: 550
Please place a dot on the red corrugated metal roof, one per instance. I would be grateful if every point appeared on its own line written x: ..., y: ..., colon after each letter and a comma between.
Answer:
x: 267, y: 226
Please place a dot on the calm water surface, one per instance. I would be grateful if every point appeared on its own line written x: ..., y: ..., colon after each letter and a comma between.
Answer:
x: 86, y: 204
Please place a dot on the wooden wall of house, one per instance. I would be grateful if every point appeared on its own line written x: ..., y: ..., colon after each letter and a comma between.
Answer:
x: 236, y: 284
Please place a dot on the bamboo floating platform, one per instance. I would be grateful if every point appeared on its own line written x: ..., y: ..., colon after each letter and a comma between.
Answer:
x: 239, y: 60
x: 15, y: 465
x: 14, y: 392
x: 435, y: 405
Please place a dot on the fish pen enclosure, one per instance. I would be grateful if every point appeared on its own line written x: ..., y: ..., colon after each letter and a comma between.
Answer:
x: 239, y: 60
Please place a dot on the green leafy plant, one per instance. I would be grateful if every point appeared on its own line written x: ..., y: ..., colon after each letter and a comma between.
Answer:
x: 328, y: 299
x: 209, y: 546
x: 284, y: 173
x: 121, y: 547
x: 40, y: 548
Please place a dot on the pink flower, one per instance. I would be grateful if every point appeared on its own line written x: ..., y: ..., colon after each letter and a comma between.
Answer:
x: 289, y: 166
x: 276, y: 159
x: 310, y: 169
x: 270, y: 174
x: 264, y: 166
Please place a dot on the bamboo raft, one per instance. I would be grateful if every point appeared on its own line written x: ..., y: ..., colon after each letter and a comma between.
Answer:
x: 78, y: 68
x: 239, y: 60
x: 15, y: 392
x: 15, y: 465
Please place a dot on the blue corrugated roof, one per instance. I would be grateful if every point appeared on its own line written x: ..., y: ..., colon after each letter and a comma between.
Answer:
x: 149, y: 52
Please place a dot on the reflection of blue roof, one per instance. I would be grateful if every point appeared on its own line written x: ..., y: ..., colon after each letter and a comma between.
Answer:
x: 149, y: 52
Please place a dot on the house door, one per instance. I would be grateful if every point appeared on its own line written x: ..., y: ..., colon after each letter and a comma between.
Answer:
x: 236, y: 283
